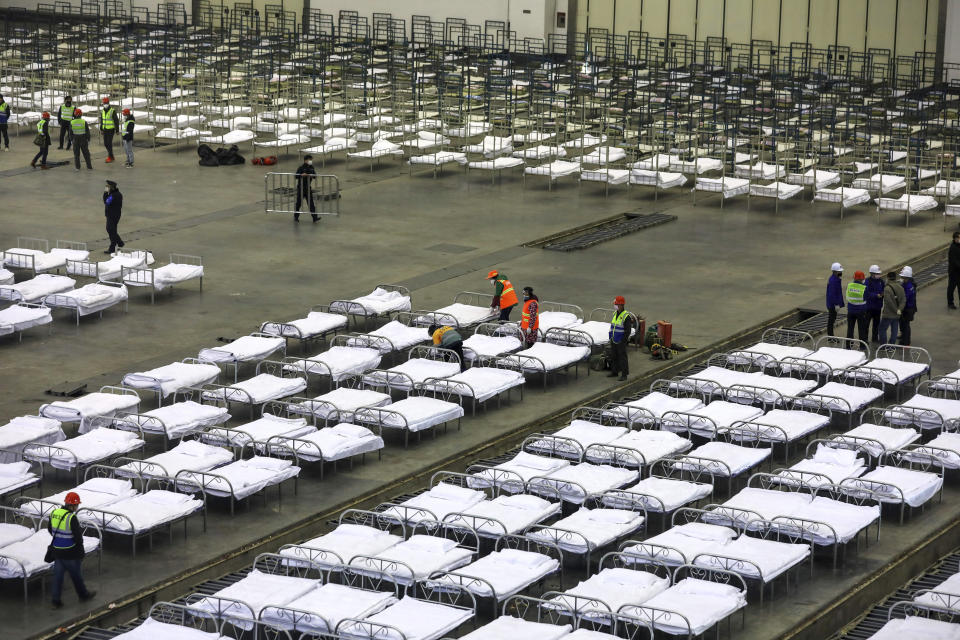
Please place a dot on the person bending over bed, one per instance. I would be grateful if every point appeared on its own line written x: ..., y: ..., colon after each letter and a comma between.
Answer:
x: 448, y: 338
x: 306, y: 174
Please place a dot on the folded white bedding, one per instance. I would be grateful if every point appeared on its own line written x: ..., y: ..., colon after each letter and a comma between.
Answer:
x: 917, y: 628
x: 730, y: 187
x: 411, y: 373
x: 401, y: 336
x: 510, y: 628
x: 706, y: 420
x: 439, y: 158
x: 648, y: 445
x: 464, y: 314
x: 479, y: 345
x: 827, y: 360
x: 415, y: 559
x: 511, y: 475
x: 172, y: 377
x: 173, y: 273
x: 931, y: 413
x: 253, y: 592
x: 722, y: 459
x: 503, y: 573
x: 36, y: 288
x: 415, y: 619
x: 837, y: 396
x: 682, y: 543
x: 582, y: 433
x: 189, y: 454
x: 112, y: 268
x: 700, y: 605
x: 334, y: 443
x: 416, y: 413
x: 895, y: 484
x: 554, y: 170
x: 259, y: 389
x: 480, y: 383
x: 94, y: 493
x: 143, y: 511
x: 89, y: 298
x: 342, y: 402
x: 24, y: 430
x: 578, y: 482
x: 242, y: 349
x: 648, y: 410
x: 95, y: 445
x: 327, y: 605
x: 890, y: 370
x: 435, y: 504
x: 26, y: 556
x: 20, y: 318
x: 316, y: 323
x: 551, y: 356
x: 878, y: 439
x: 763, y: 353
x: 788, y: 425
x: 661, y: 495
x: 506, y: 514
x: 945, y: 448
x: 178, y: 419
x: 244, y: 478
x: 611, y: 589
x: 341, y: 544
x: 339, y: 362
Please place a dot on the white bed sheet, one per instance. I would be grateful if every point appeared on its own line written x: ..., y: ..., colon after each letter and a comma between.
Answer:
x: 345, y: 402
x: 256, y: 590
x: 180, y: 418
x: 261, y: 388
x: 735, y: 459
x: 334, y: 443
x: 656, y: 403
x: 667, y: 494
x: 479, y: 345
x: 90, y: 406
x: 327, y: 605
x: 90, y: 298
x: 702, y: 604
x: 344, y: 542
x: 507, y: 571
x: 837, y: 396
x: 828, y: 361
x: 892, y: 371
x: 573, y: 480
x: 510, y: 628
x: 24, y: 430
x: 400, y: 335
x: 243, y: 349
x: 147, y: 511
x: 917, y: 487
x: 316, y: 323
x: 465, y: 314
x: 377, y: 302
x: 36, y: 288
x: 614, y: 587
x: 415, y: 619
x: 244, y: 478
x: 172, y: 377
x: 29, y: 552
x: 435, y: 504
x: 94, y: 493
x: 418, y: 413
x: 552, y: 356
x: 764, y: 353
x: 949, y: 410
x: 917, y: 628
x: 417, y: 369
x: 514, y: 512
x: 424, y: 556
x: 189, y: 454
x: 339, y: 362
x: 718, y: 414
x: 583, y: 433
x: 848, y: 196
x: 651, y: 444
x: 484, y: 382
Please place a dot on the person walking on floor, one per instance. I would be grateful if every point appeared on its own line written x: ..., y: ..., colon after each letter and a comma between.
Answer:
x: 67, y: 550
x: 953, y: 269
x: 530, y: 319
x: 4, y: 118
x: 80, y: 132
x: 504, y: 297
x: 64, y: 116
x: 109, y: 123
x: 43, y: 141
x: 894, y: 302
x: 112, y: 204
x: 834, y: 295
x: 306, y: 174
x: 621, y: 327
x: 910, y: 305
x: 448, y: 338
x: 874, y: 299
x: 129, y: 124
x: 857, y: 308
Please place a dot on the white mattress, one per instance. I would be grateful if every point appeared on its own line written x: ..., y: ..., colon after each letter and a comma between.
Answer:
x: 237, y: 136
x: 400, y: 336
x: 816, y: 178
x: 735, y: 459
x: 172, y: 377
x: 484, y: 382
x: 892, y: 371
x: 418, y: 413
x: 439, y: 158
x: 262, y: 429
x: 151, y: 629
x: 254, y: 591
x: 889, y: 438
x: 665, y: 494
x: 610, y: 589
x: 836, y: 396
x: 36, y: 288
x: 94, y: 493
x: 583, y: 434
x: 23, y: 430
x: 259, y: 389
x: 6, y: 277
x: 112, y: 268
x: 779, y: 190
x: 497, y: 164
x: 609, y: 176
x: 98, y: 444
x: 435, y: 504
x: 513, y: 474
x: 716, y: 415
x: 479, y: 345
x: 506, y: 514
x: 552, y: 356
x: 379, y: 149
x: 316, y: 323
x: 92, y: 405
x: 761, y: 170
x: 573, y: 480
x: 917, y: 628
x: 598, y: 331
x: 415, y: 559
x: 376, y: 302
x: 831, y: 466
x: 503, y: 573
x: 702, y: 604
x: 793, y: 423
x: 334, y: 443
x: 510, y: 628
x: 145, y: 511
x: 912, y: 411
x: 945, y: 449
x: 596, y: 528
x: 244, y: 478
x: 648, y: 410
x: 415, y: 619
x: 762, y: 559
x: 242, y: 349
x: 341, y: 544
x: 179, y: 418
x: 10, y: 533
x: 90, y: 298
x: 882, y: 182
x: 912, y: 203
x: 411, y: 373
x: 650, y: 444
x: 556, y: 169
x: 849, y: 197
x: 465, y: 314
x: 339, y: 362
x: 662, y: 179
x: 827, y: 360
x: 491, y: 146
x: 344, y: 400
x: 764, y: 353
x: 682, y: 543
x: 729, y: 186
x: 540, y: 152
x: 602, y: 155
x: 915, y: 487
x: 327, y: 605
x: 944, y: 189
x: 165, y: 276
x: 29, y: 552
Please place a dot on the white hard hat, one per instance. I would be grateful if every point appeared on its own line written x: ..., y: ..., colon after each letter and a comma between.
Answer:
x: 906, y: 272
x: 875, y: 269
x: 836, y: 266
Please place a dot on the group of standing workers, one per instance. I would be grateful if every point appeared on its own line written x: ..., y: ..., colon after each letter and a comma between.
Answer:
x: 879, y: 310
x: 505, y: 299
x: 76, y: 132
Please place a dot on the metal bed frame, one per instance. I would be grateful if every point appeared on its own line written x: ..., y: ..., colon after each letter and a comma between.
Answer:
x: 61, y: 301
x: 145, y: 276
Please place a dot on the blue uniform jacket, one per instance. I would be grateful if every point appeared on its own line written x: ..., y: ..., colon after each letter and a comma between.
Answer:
x: 874, y: 294
x: 834, y: 292
x: 911, y: 290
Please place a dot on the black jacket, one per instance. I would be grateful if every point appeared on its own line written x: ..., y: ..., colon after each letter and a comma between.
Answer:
x: 128, y: 129
x: 76, y: 551
x: 953, y: 259
x: 304, y: 182
x: 112, y: 203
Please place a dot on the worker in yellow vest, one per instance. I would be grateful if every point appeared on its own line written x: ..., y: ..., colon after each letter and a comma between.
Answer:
x: 109, y: 123
x: 80, y: 132
x: 621, y: 328
x: 67, y: 550
x: 64, y: 116
x: 857, y: 309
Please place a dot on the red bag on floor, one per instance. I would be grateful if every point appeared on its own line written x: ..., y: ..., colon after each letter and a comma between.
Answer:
x: 269, y: 160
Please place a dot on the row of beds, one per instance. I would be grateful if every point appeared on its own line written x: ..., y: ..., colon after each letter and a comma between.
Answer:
x: 124, y: 493
x: 627, y: 492
x: 35, y: 298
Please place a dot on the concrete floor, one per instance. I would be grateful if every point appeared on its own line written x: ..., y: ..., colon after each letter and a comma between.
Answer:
x: 712, y: 273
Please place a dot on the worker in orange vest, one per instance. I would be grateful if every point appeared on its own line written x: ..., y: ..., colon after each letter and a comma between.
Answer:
x: 504, y: 297
x: 530, y: 320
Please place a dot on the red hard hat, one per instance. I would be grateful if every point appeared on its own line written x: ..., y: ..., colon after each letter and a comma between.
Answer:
x: 126, y: 112
x: 493, y: 274
x: 45, y: 115
x: 77, y: 112
x: 619, y: 300
x: 859, y: 275
x: 72, y: 498
x: 106, y: 100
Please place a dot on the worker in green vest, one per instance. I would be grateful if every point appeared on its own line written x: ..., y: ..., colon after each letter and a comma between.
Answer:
x: 109, y: 123
x: 80, y: 133
x: 64, y: 116
x: 67, y: 549
x: 621, y: 327
x: 42, y: 140
x: 4, y: 117
x: 857, y: 309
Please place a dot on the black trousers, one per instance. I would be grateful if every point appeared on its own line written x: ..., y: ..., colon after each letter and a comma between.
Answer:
x: 873, y: 323
x: 906, y: 319
x: 41, y: 156
x: 505, y: 312
x: 300, y: 198
x: 115, y: 239
x: 858, y: 320
x: 831, y: 320
x: 81, y: 145
x: 5, y: 135
x: 108, y: 142
x: 457, y: 348
x: 65, y: 132
x: 953, y: 283
x: 620, y: 364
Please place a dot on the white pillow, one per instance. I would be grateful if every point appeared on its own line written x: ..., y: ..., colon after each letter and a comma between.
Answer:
x: 430, y: 544
x: 14, y: 469
x: 703, y: 531
x: 111, y: 486
x: 445, y: 491
x: 161, y: 497
x: 352, y: 430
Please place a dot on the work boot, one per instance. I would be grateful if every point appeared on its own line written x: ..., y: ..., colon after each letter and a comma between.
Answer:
x: 90, y: 596
x: 316, y: 218
x: 56, y: 605
x: 951, y: 306
x: 59, y: 148
x: 622, y: 377
x: 612, y: 374
x: 108, y: 160
x: 33, y: 164
x: 121, y: 243
x: 43, y: 166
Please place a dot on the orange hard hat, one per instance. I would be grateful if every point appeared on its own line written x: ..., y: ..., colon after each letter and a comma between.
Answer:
x: 859, y: 275
x: 126, y: 112
x: 619, y: 300
x: 493, y: 274
x: 45, y: 115
x: 77, y: 112
x: 72, y: 498
x: 106, y: 100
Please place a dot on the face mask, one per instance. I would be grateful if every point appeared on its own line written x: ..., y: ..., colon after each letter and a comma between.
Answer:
x: 106, y: 189
x: 310, y: 163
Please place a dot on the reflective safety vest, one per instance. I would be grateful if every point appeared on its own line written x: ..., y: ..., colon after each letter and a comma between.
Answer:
x: 78, y: 126
x: 855, y: 292
x: 438, y: 334
x: 508, y: 297
x: 60, y: 521
x: 106, y: 119
x: 66, y: 112
x: 40, y: 126
x: 616, y: 333
x: 525, y: 319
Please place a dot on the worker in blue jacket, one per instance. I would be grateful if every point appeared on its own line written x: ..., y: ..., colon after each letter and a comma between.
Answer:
x: 834, y: 295
x: 874, y: 300
x: 910, y: 308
